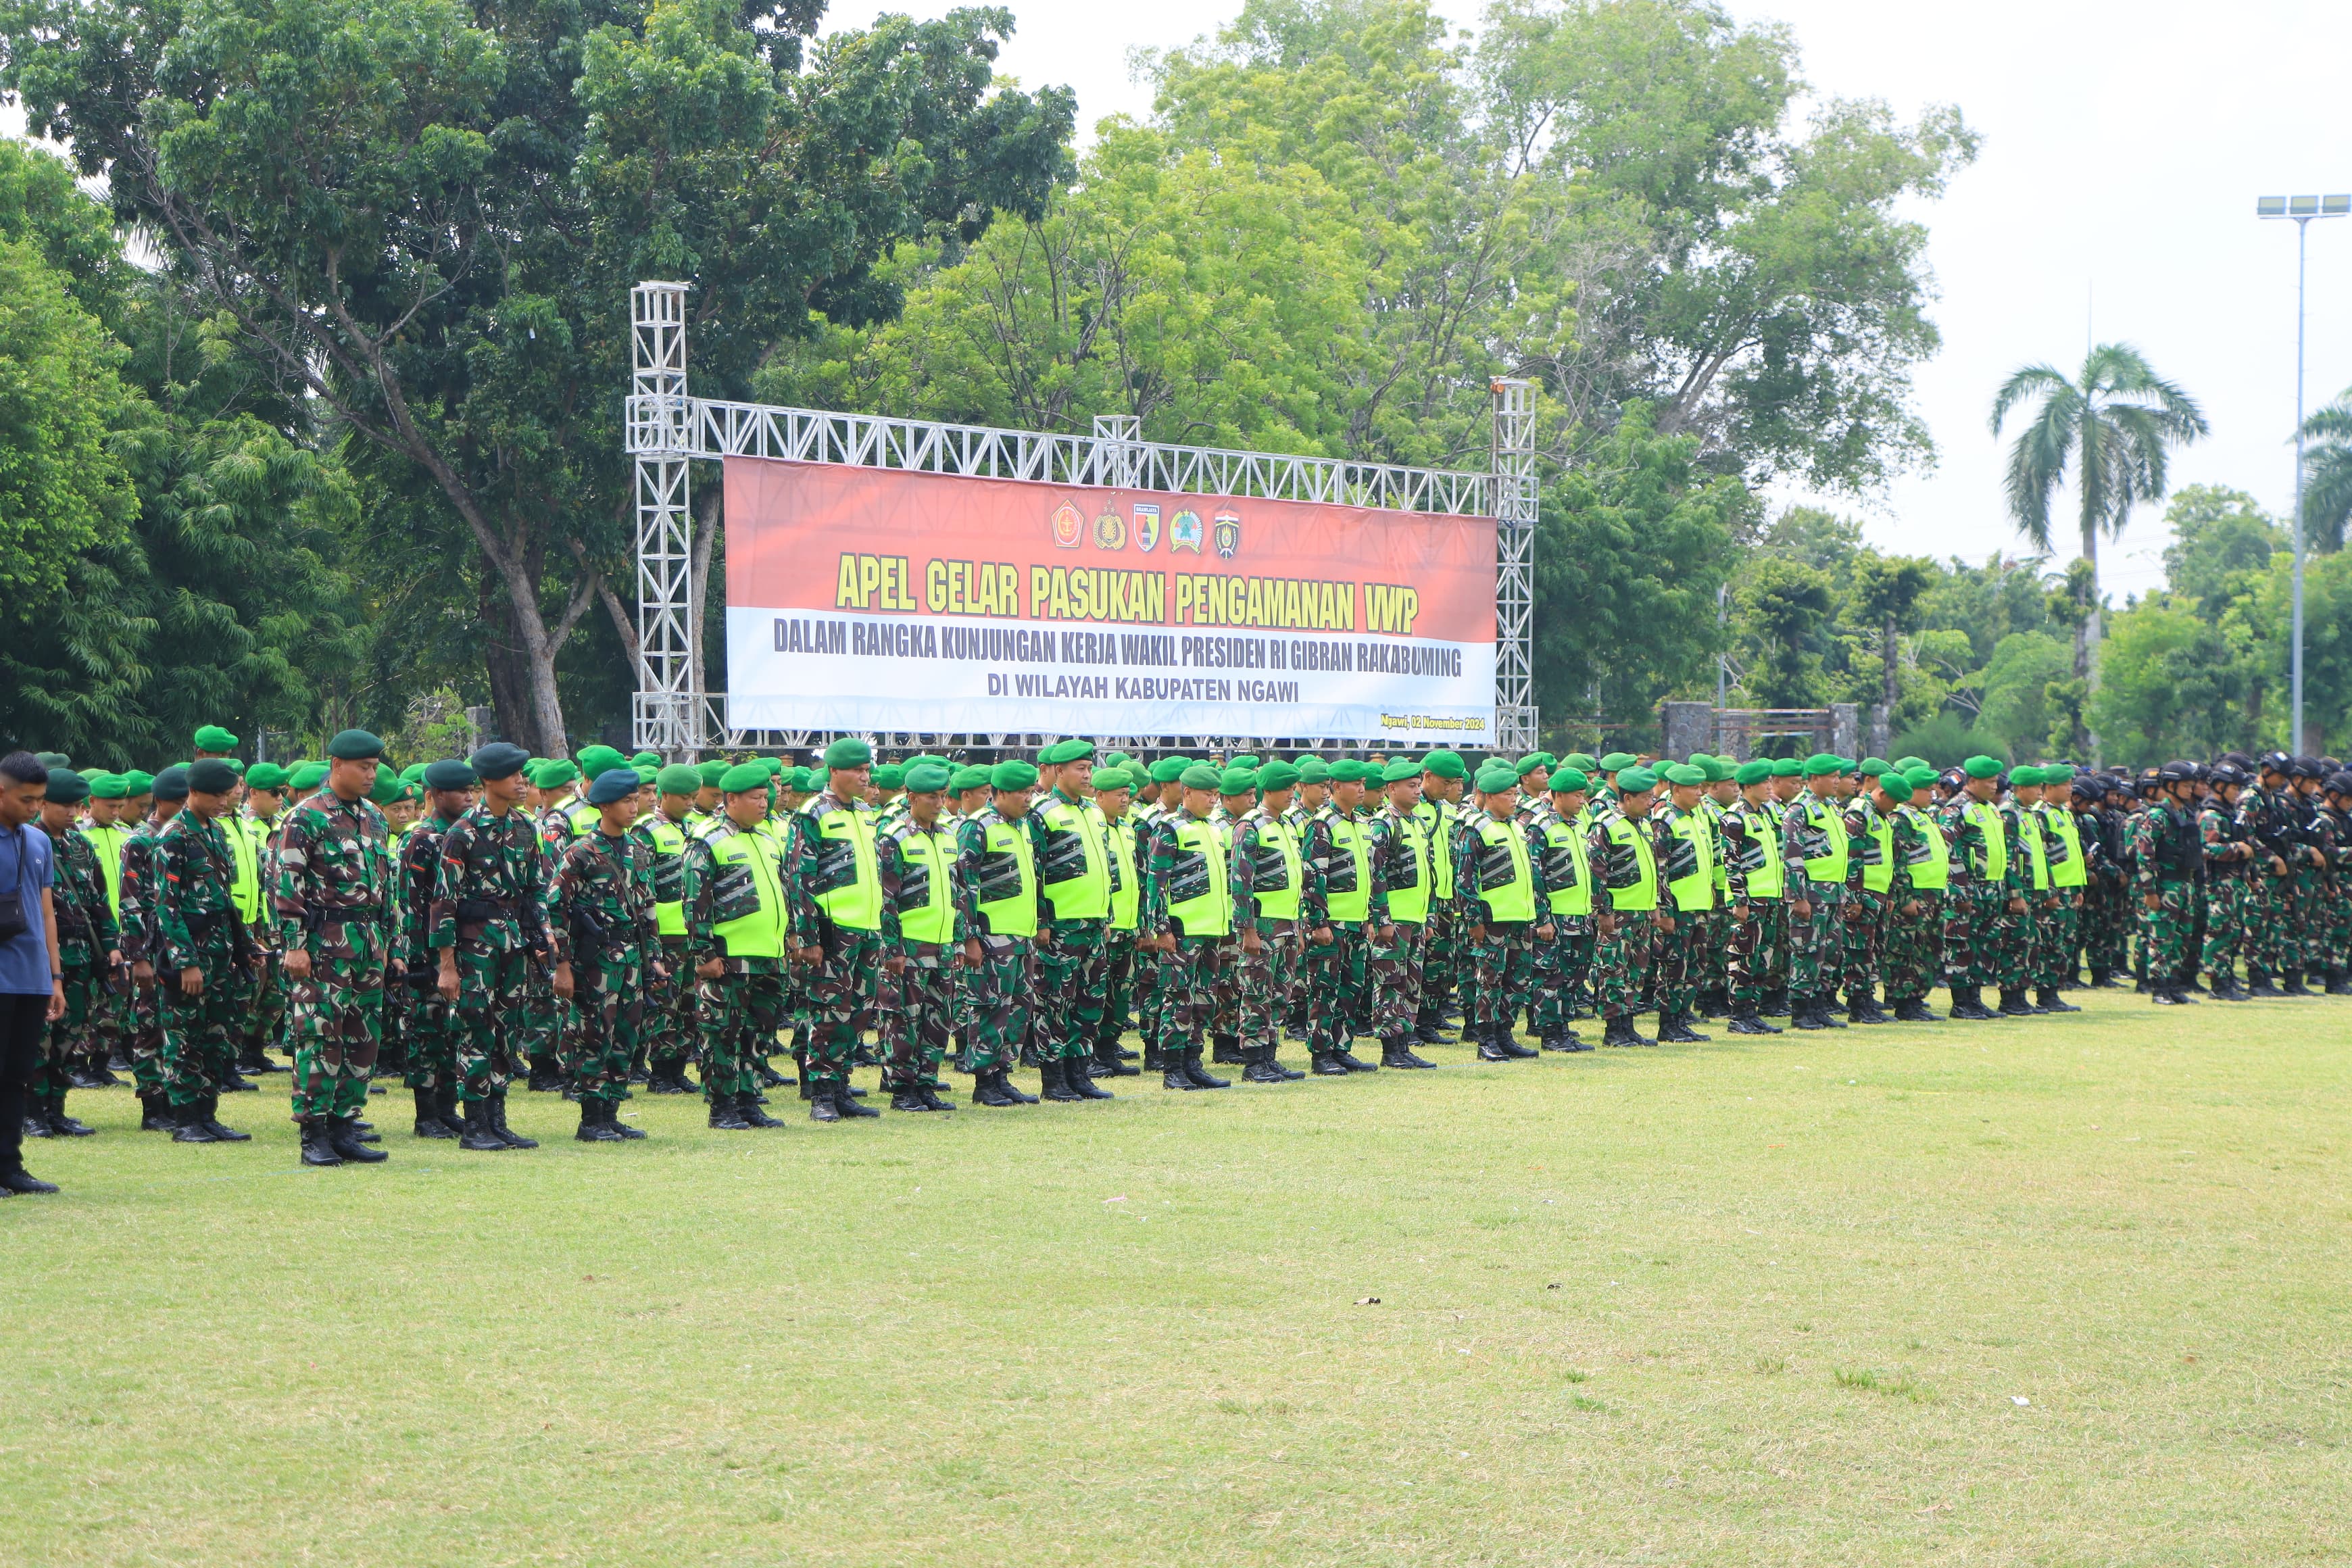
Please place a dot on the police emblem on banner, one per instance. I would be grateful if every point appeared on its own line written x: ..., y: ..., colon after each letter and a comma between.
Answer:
x: 1111, y: 532
x: 1069, y: 526
x: 1227, y: 534
x: 1147, y: 527
x: 1184, y: 533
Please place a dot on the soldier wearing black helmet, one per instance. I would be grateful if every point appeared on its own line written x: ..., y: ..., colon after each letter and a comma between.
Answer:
x: 2335, y: 811
x: 2307, y: 932
x: 2228, y: 861
x: 2269, y: 818
x: 2169, y: 867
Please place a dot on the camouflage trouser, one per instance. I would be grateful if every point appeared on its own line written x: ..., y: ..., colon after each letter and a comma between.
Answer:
x: 998, y: 997
x: 669, y: 1032
x: 2171, y: 933
x: 1149, y: 996
x: 392, y: 1054
x: 265, y: 1018
x: 1711, y: 965
x: 1120, y: 982
x: 841, y: 994
x: 68, y: 1040
x: 538, y: 1017
x: 111, y: 1015
x: 490, y: 1034
x: 1441, y: 951
x: 199, y: 1033
x: 1861, y: 942
x: 2055, y: 945
x: 1395, y: 971
x: 1225, y: 994
x: 2107, y: 942
x: 1266, y: 979
x: 737, y: 1016
x: 1561, y: 966
x: 1505, y: 958
x: 1983, y: 942
x: 2339, y: 924
x: 611, y: 999
x: 2225, y: 925
x: 432, y: 1028
x: 1910, y: 965
x: 913, y: 1015
x: 1336, y: 977
x: 2269, y: 902
x: 1747, y: 951
x: 1816, y: 949
x: 1071, y: 981
x: 1188, y: 982
x: 1620, y: 965
x: 1677, y: 962
x: 336, y: 1018
x: 2308, y: 933
x: 144, y: 1035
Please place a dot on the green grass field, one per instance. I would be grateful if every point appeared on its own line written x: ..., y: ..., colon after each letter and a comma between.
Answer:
x: 2062, y: 1290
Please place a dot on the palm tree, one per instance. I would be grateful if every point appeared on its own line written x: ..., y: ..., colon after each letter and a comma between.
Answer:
x: 2113, y: 428
x: 2327, y: 474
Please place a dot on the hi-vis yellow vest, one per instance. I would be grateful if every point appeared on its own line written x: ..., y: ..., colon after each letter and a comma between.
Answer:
x: 669, y: 851
x: 1696, y: 889
x: 1995, y: 836
x: 1126, y: 898
x: 760, y: 932
x: 1351, y: 908
x: 1825, y: 818
x: 1878, y: 877
x: 934, y: 850
x: 1933, y: 873
x: 107, y: 841
x: 1643, y: 896
x: 2066, y: 868
x: 1207, y: 912
x: 856, y: 904
x: 1282, y: 903
x: 1436, y: 821
x: 1516, y: 901
x: 1576, y: 897
x: 2037, y: 857
x: 1077, y: 865
x: 1014, y: 914
x: 1410, y: 906
x: 1768, y: 880
x: 245, y: 836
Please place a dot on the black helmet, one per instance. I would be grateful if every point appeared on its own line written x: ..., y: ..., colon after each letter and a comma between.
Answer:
x: 2276, y: 762
x: 2229, y: 773
x: 2176, y: 773
x: 2339, y: 783
x: 2305, y: 768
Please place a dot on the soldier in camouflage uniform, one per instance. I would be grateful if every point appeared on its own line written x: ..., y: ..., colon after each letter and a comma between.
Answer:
x: 1753, y: 886
x: 1815, y: 852
x: 996, y: 910
x: 1564, y: 865
x: 1404, y: 867
x: 1874, y: 884
x: 1114, y: 797
x: 203, y: 956
x: 2228, y: 859
x: 432, y: 1022
x: 1187, y: 912
x: 1347, y: 898
x: 2268, y: 821
x: 1916, y: 925
x: 916, y: 997
x: 746, y: 925
x: 544, y: 1022
x: 1165, y: 774
x: 1069, y: 844
x: 1443, y: 777
x: 142, y: 1030
x: 2307, y: 938
x: 86, y: 951
x: 336, y: 888
x: 487, y: 930
x: 2169, y: 857
x: 1623, y: 851
x: 1266, y: 873
x: 1986, y: 894
x: 2336, y: 792
x: 1497, y: 870
x: 607, y: 946
x: 1686, y: 851
x: 835, y: 861
x: 257, y: 820
x: 669, y: 1032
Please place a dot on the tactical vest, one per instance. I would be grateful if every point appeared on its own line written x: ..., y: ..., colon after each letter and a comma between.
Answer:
x: 1351, y: 905
x: 1409, y: 905
x: 847, y: 885
x: 1879, y: 871
x: 1125, y: 893
x: 1931, y: 865
x: 583, y: 817
x: 2066, y: 848
x: 1199, y: 900
x: 1692, y: 868
x: 927, y: 887
x: 1994, y: 834
x: 1767, y: 877
x: 1567, y: 869
x: 1074, y: 865
x: 1437, y: 826
x: 1006, y: 878
x: 244, y: 871
x: 747, y: 898
x: 107, y: 841
x: 1830, y: 866
x: 669, y: 875
x: 2037, y: 860
x: 1640, y: 895
x: 1503, y: 853
x: 1276, y: 872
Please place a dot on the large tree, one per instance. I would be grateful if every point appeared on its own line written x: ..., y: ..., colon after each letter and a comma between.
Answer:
x: 425, y: 217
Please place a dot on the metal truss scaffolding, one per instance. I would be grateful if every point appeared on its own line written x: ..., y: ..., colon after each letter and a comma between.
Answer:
x: 667, y: 429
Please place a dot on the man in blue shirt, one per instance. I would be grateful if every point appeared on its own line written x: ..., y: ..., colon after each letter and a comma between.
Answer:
x: 32, y: 978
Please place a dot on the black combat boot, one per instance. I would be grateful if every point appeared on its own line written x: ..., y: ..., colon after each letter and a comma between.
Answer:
x: 985, y: 1090
x: 1153, y: 1061
x: 1261, y: 1067
x: 1913, y: 1010
x: 1776, y: 1002
x: 1675, y: 1029
x: 317, y: 1149
x: 1620, y: 1032
x: 613, y: 1119
x: 2339, y: 983
x: 221, y: 1132
x: 846, y: 1097
x: 2290, y: 984
x: 748, y: 1108
x: 2227, y: 989
x: 1108, y: 1063
x: 1077, y: 1072
x: 594, y: 1126
x: 230, y: 1083
x: 1171, y: 1071
x: 477, y: 1134
x: 2047, y: 1000
x: 1862, y: 1007
x: 155, y: 1114
x: 2101, y: 979
x: 428, y: 1116
x: 514, y: 1140
x: 1427, y: 1032
x: 908, y: 1097
x: 1050, y: 1085
x: 343, y: 1137
x: 1968, y: 1002
x: 2166, y: 996
x: 1807, y: 1013
x: 60, y: 1125
x: 1505, y: 1038
x: 1327, y: 1064
x: 1202, y: 1077
x: 1750, y: 1024
x: 2013, y: 1003
x: 1225, y: 1050
x: 1393, y: 1053
x: 544, y: 1079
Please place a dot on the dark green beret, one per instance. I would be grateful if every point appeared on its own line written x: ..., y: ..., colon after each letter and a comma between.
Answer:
x: 1567, y: 780
x: 499, y: 759
x: 1789, y: 768
x: 213, y: 738
x: 266, y: 775
x: 1276, y: 774
x: 553, y: 773
x: 1237, y: 781
x: 171, y: 784
x: 1617, y: 762
x: 110, y: 786
x: 646, y: 760
x: 1913, y: 764
x: 1010, y: 774
x: 235, y: 766
x: 1580, y: 762
x: 354, y: 746
x: 1111, y: 776
x: 449, y: 773
x: 1533, y: 760
x: 1348, y: 770
x: 414, y: 772
x: 140, y: 781
x: 1496, y: 778
x: 849, y: 752
x: 611, y: 784
x: 1875, y: 767
x: 1313, y: 770
x: 386, y: 788
x: 2058, y: 773
x: 1719, y: 770
x: 306, y: 777
x: 968, y: 778
x: 711, y: 772
x: 1199, y: 775
x: 679, y: 778
x: 597, y: 761
x: 1116, y: 759
x: 1398, y: 771
x: 1822, y: 765
x: 1444, y: 764
x: 1756, y: 769
x: 210, y: 775
x: 67, y: 787
x: 775, y: 765
x: 1633, y: 781
x: 1068, y: 749
x: 2029, y: 776
x: 1683, y: 775
x: 744, y: 776
x: 890, y: 776
x: 1168, y: 770
x: 54, y: 760
x: 1919, y: 778
x: 926, y: 778
x: 1981, y: 767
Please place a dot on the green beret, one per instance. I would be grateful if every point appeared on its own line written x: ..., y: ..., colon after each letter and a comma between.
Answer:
x: 306, y: 777
x: 711, y: 772
x: 213, y: 738
x: 499, y: 759
x: 1444, y: 764
x: 646, y: 760
x: 554, y: 772
x: 1237, y: 781
x: 449, y: 773
x: 2058, y: 773
x: 1199, y: 776
x: 1919, y: 778
x: 234, y: 764
x: 596, y: 761
x: 54, y: 760
x: 1496, y: 778
x: 110, y: 786
x: 1300, y: 759
x: 1580, y: 762
x: 386, y: 787
x: 802, y: 781
x: 969, y: 777
x: 1116, y: 776
x: 139, y: 782
x: 1397, y: 772
x: 776, y: 767
x: 1981, y: 767
x: 210, y: 775
x: 1245, y: 761
x: 67, y: 787
x: 1567, y: 780
x: 2029, y: 776
x: 849, y: 752
x: 412, y: 773
x: 171, y: 784
x: 1634, y: 780
x: 1820, y: 764
x: 266, y: 775
x: 1684, y: 774
x: 890, y: 776
x: 1313, y: 769
x: 1531, y: 763
x: 679, y: 778
x: 1070, y: 749
x: 1756, y: 769
x: 1010, y: 774
x: 1348, y: 770
x: 1874, y: 767
x: 1168, y: 770
x: 1721, y: 770
x: 744, y: 777
x: 1789, y: 768
x: 1116, y: 759
x: 354, y: 746
x: 1617, y: 762
x: 1913, y: 764
x: 1278, y: 774
x: 926, y: 778
x: 615, y: 783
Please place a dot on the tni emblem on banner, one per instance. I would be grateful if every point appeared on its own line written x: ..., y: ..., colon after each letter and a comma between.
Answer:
x: 1069, y: 526
x: 1227, y: 534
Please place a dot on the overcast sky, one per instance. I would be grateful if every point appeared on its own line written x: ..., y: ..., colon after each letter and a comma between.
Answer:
x: 2124, y: 147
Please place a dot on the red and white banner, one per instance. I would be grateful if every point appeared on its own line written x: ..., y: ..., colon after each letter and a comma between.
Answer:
x: 863, y: 599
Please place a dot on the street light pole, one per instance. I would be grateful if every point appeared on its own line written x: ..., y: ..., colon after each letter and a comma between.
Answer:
x: 2302, y: 209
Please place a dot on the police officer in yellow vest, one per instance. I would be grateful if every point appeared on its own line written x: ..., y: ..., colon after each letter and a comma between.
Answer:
x: 1404, y: 864
x: 1115, y: 787
x: 1688, y: 845
x: 1915, y: 929
x: 1623, y: 850
x: 1071, y: 844
x: 1507, y: 908
x: 998, y: 896
x: 746, y: 921
x: 1444, y: 775
x: 1187, y: 914
x: 835, y: 863
x: 669, y: 1031
x: 1564, y: 964
x: 915, y: 1000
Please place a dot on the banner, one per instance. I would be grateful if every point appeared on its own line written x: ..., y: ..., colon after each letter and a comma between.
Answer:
x: 871, y: 599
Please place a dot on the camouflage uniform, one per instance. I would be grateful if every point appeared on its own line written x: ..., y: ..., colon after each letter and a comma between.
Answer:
x: 1072, y: 979
x: 839, y: 995
x: 1442, y: 940
x: 1564, y: 964
x: 1000, y: 991
x: 601, y: 922
x: 335, y: 891
x: 1622, y: 956
x: 144, y: 1026
x: 738, y: 1012
x: 1678, y: 957
x: 1816, y: 946
x: 1863, y: 928
x: 2226, y: 863
x: 197, y: 927
x: 549, y: 1022
x: 1395, y: 966
x: 1978, y: 923
x: 489, y: 892
x: 2266, y: 820
x: 1504, y: 956
x: 1338, y: 972
x: 265, y: 1019
x: 1186, y: 978
x: 915, y: 1010
x: 1748, y: 939
x: 432, y: 1019
x: 1910, y: 966
x: 1269, y: 976
x: 669, y: 1027
x: 2168, y: 853
x: 86, y: 934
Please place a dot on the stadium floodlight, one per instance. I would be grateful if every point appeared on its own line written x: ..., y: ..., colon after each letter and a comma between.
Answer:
x: 2301, y: 210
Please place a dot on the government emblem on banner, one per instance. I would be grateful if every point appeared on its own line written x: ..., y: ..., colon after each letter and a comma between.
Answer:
x: 1110, y: 531
x: 1147, y: 527
x: 1069, y: 526
x: 1227, y: 534
x: 1184, y: 533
